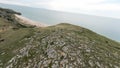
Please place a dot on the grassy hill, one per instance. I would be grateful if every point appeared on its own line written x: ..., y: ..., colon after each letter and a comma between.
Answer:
x: 58, y: 46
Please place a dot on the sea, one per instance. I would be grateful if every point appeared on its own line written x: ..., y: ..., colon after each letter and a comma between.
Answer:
x: 106, y: 26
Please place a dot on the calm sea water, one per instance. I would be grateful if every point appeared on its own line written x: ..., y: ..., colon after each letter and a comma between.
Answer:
x: 108, y: 27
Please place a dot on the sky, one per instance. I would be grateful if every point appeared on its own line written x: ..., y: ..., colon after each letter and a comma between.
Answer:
x: 108, y: 8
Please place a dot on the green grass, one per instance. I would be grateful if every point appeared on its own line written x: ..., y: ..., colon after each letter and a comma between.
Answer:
x: 12, y: 40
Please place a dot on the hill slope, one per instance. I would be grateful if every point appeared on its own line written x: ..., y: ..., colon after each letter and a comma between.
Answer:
x: 59, y: 46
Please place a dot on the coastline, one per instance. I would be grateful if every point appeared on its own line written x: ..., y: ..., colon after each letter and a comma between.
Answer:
x: 26, y: 21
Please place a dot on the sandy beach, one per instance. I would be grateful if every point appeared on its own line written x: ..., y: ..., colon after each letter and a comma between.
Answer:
x: 27, y: 21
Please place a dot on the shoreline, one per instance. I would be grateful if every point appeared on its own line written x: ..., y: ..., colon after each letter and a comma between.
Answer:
x: 27, y: 21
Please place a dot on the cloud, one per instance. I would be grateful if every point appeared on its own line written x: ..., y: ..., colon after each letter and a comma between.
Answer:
x: 15, y: 2
x: 90, y: 5
x: 95, y: 7
x: 32, y: 3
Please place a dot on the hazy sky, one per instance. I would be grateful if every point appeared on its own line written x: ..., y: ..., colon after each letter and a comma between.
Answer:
x: 110, y: 8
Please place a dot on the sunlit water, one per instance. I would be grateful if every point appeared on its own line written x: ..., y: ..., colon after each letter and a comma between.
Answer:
x: 108, y: 27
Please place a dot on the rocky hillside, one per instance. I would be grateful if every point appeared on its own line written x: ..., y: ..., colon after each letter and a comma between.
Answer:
x: 59, y: 46
x: 8, y: 15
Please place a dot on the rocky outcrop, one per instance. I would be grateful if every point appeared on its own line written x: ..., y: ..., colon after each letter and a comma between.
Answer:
x: 66, y: 46
x: 8, y: 15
